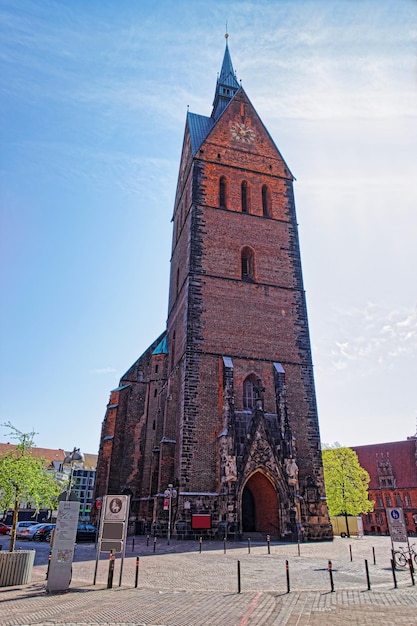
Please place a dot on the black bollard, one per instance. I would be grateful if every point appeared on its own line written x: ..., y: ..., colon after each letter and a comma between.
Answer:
x: 224, y: 545
x: 393, y: 573
x: 147, y: 540
x: 154, y: 544
x: 49, y: 564
x: 200, y: 542
x: 350, y: 552
x: 238, y: 576
x: 248, y: 545
x: 137, y: 572
x: 268, y: 543
x: 287, y: 571
x: 331, y: 576
x: 298, y: 547
x: 133, y: 543
x: 368, y: 580
x: 111, y: 570
x: 373, y: 554
x: 410, y: 565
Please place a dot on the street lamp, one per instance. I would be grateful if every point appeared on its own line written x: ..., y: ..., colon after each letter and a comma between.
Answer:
x: 169, y: 494
x: 74, y: 457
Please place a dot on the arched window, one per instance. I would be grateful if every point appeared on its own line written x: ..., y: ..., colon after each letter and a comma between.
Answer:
x: 173, y: 350
x: 223, y: 193
x: 249, y: 392
x: 247, y: 264
x: 266, y: 201
x: 245, y: 197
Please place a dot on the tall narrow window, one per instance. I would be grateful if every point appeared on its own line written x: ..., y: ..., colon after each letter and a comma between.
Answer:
x: 266, y: 201
x: 223, y: 193
x: 249, y: 392
x: 177, y: 286
x: 173, y: 350
x: 247, y: 264
x: 245, y: 197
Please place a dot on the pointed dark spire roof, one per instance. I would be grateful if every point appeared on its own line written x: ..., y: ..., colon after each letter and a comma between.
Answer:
x: 226, y: 86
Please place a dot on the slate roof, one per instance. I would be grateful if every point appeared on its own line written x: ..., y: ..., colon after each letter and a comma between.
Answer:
x: 162, y: 347
x: 199, y: 127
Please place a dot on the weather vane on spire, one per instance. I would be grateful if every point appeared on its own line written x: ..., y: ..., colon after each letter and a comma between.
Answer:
x: 227, y: 34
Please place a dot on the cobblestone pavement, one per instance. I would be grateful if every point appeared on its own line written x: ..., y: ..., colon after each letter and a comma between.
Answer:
x: 179, y: 586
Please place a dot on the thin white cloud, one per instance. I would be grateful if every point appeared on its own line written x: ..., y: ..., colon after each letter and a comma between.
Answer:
x: 103, y: 370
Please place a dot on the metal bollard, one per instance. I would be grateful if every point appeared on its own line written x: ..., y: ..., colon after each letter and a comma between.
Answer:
x: 111, y: 570
x: 393, y: 573
x: 154, y: 544
x: 238, y: 576
x: 350, y: 552
x: 137, y: 572
x: 368, y: 580
x: 373, y: 555
x: 224, y: 545
x: 248, y: 545
x: 287, y: 571
x: 133, y: 543
x: 49, y: 564
x: 331, y: 575
x: 298, y: 547
x: 147, y: 540
x: 410, y: 565
x: 268, y: 543
x: 200, y: 542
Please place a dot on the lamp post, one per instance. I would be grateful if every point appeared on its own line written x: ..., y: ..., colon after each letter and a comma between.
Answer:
x: 169, y: 494
x: 70, y: 459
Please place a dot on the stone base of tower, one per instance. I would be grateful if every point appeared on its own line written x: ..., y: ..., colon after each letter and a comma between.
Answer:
x: 216, y: 516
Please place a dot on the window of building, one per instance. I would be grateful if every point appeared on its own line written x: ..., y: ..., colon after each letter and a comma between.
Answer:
x: 173, y: 350
x: 266, y: 201
x: 407, y: 499
x: 379, y: 519
x: 247, y: 264
x: 223, y: 193
x: 398, y: 501
x: 369, y: 518
x: 379, y: 502
x: 245, y: 197
x: 388, y: 501
x: 249, y: 393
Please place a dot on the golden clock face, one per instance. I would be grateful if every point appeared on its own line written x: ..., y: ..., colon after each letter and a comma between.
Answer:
x: 242, y: 133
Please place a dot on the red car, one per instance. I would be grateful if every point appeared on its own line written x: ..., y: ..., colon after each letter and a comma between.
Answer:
x: 4, y: 529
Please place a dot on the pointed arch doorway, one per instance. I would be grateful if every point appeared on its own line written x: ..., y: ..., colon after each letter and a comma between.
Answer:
x: 260, y: 506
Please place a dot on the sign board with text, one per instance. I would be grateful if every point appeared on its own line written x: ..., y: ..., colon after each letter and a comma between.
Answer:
x: 60, y: 568
x: 396, y: 524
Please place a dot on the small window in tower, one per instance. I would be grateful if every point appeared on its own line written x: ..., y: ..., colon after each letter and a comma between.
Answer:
x: 155, y: 393
x: 247, y: 264
x: 245, y: 197
x: 266, y: 201
x: 173, y: 350
x: 223, y: 193
x: 177, y: 281
x: 249, y: 393
x: 156, y: 369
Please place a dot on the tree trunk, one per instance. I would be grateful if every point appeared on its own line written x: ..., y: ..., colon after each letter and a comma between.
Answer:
x: 14, y: 524
x: 347, y: 524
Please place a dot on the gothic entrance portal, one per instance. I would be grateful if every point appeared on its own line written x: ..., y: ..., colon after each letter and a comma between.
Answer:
x: 260, y: 506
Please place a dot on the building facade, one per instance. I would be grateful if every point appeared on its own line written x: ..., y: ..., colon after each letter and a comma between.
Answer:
x: 222, y: 405
x: 392, y: 468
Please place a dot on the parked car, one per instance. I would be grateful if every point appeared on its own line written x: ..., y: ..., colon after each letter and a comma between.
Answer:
x: 25, y: 524
x: 4, y: 529
x: 27, y: 532
x: 44, y: 532
x: 86, y: 532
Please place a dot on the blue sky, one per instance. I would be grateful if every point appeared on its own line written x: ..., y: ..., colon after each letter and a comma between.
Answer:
x: 93, y: 104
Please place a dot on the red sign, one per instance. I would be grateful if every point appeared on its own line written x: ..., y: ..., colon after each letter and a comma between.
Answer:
x: 201, y: 521
x: 99, y: 503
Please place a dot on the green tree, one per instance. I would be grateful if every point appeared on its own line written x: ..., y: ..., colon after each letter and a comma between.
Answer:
x: 346, y: 483
x: 24, y: 477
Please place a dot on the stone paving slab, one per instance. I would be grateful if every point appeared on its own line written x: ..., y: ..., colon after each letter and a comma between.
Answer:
x: 178, y: 586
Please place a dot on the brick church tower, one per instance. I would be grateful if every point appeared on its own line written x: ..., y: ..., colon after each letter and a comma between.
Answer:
x: 222, y: 405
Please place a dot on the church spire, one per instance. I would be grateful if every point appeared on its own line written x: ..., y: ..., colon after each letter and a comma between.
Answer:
x: 226, y: 86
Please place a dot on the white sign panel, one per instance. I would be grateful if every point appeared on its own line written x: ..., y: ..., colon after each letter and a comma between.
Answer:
x: 115, y: 508
x: 60, y: 568
x: 396, y: 524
